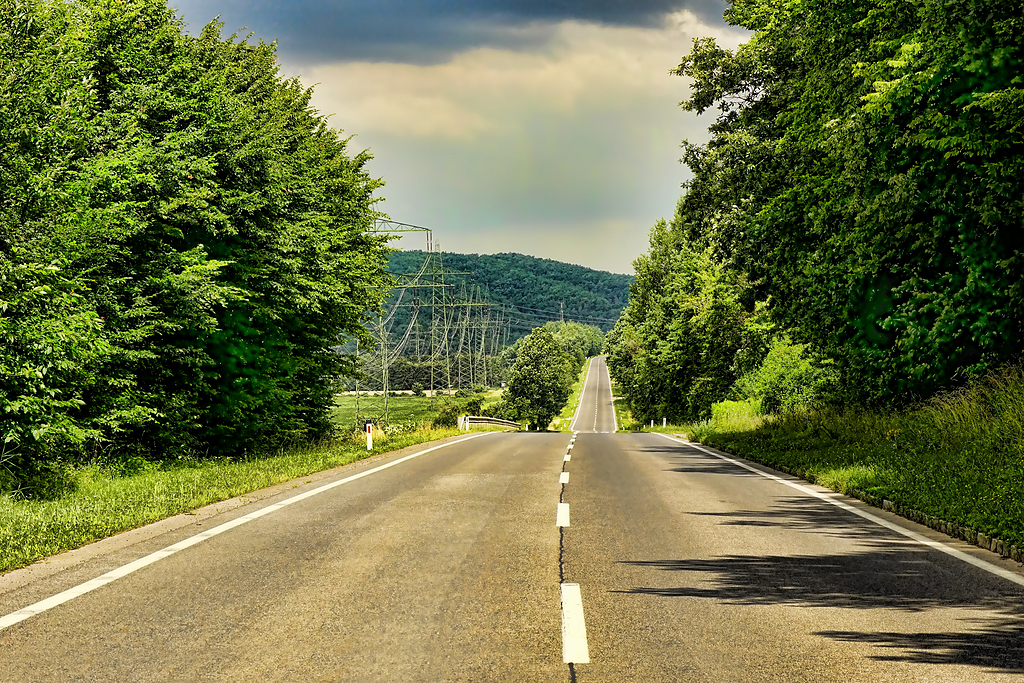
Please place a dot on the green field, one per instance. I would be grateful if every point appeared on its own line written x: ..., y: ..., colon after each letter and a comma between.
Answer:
x: 402, y: 409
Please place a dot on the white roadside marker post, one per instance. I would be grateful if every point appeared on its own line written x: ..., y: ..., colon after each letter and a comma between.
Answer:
x: 369, y: 436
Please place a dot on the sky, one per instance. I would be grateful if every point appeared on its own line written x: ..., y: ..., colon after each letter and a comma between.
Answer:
x: 543, y: 127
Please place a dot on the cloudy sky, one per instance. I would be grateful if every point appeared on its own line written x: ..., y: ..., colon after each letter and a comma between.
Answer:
x: 545, y: 127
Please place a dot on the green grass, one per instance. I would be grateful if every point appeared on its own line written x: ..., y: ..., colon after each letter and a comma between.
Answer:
x: 564, y: 419
x: 958, y: 457
x: 726, y: 416
x: 624, y: 421
x: 402, y: 409
x: 101, y: 504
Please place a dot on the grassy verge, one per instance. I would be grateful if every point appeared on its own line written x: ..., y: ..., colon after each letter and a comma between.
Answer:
x: 564, y: 419
x: 624, y: 421
x: 102, y: 504
x: 727, y: 416
x: 955, y: 462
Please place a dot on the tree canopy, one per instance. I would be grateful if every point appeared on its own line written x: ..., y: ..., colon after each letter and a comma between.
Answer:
x: 863, y: 183
x: 182, y: 238
x: 540, y: 380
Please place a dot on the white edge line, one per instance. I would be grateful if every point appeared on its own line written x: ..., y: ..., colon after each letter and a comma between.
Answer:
x: 574, y: 628
x: 586, y: 378
x: 114, y: 574
x: 562, y: 515
x: 923, y: 540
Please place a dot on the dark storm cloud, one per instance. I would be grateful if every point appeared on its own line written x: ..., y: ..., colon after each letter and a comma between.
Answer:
x: 423, y: 31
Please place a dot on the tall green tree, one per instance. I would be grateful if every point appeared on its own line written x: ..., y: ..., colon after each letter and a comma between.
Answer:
x: 871, y: 185
x: 540, y: 379
x: 864, y: 177
x: 207, y: 221
x: 687, y: 334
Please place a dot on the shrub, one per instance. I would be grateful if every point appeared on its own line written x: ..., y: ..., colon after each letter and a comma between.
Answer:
x: 448, y: 415
x: 787, y: 380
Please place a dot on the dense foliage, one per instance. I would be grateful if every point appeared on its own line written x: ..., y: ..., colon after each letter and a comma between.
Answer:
x: 540, y: 380
x: 578, y: 341
x: 541, y: 368
x: 864, y: 186
x: 182, y: 240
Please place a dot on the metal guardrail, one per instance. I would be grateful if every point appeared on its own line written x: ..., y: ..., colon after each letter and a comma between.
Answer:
x: 466, y: 420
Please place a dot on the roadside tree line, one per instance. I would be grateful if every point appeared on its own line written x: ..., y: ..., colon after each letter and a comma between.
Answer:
x: 182, y: 240
x: 853, y: 232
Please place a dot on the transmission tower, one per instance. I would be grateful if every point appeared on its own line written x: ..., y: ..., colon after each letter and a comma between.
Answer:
x: 461, y: 321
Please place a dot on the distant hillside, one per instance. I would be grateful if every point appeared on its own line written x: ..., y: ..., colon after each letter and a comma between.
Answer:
x: 537, y: 288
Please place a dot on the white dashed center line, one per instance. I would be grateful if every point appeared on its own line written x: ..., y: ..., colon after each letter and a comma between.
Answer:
x: 574, y: 630
x: 562, y: 516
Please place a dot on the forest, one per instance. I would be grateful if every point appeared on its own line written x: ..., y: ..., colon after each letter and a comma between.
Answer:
x: 539, y: 289
x: 182, y: 240
x: 852, y: 233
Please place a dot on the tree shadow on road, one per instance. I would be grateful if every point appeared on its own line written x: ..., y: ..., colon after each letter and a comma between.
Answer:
x: 803, y: 513
x: 689, y: 460
x: 901, y: 578
x: 997, y: 645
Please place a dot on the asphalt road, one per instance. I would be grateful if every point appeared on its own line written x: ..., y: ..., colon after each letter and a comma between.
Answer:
x: 449, y: 566
x: 595, y: 413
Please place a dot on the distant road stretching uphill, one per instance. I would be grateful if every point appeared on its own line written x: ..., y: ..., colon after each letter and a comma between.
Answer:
x: 595, y: 413
x: 525, y: 557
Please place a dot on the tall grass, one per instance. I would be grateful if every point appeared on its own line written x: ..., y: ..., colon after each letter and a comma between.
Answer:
x: 728, y: 416
x: 624, y: 421
x: 958, y: 456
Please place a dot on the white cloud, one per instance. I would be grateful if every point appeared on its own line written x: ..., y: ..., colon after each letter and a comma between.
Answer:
x: 574, y: 145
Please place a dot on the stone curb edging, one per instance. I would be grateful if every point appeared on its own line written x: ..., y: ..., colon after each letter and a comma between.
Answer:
x: 952, y: 529
x: 963, y: 533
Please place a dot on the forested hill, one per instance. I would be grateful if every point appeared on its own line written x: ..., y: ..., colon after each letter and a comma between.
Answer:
x: 536, y: 287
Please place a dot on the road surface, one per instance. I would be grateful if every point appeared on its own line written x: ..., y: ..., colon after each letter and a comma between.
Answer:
x: 449, y: 566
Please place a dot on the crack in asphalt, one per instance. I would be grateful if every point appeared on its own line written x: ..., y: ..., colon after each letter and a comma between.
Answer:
x: 561, y: 559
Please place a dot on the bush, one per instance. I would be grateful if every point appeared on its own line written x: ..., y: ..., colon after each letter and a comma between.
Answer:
x: 499, y: 409
x: 448, y: 415
x: 787, y: 380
